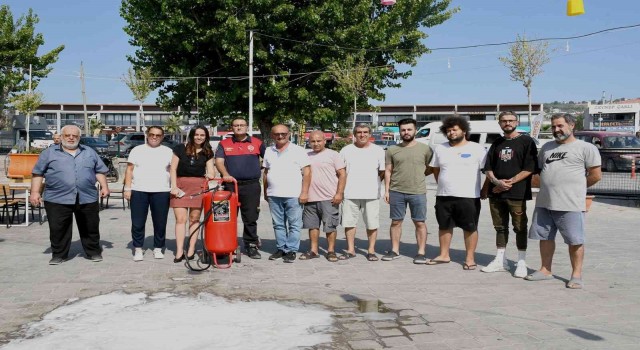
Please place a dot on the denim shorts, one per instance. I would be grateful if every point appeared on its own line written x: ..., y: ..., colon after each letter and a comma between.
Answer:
x: 398, y: 206
x: 546, y: 223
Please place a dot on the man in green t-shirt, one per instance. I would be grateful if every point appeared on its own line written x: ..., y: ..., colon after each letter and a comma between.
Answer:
x: 407, y: 164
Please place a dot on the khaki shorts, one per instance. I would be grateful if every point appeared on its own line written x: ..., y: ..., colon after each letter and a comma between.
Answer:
x: 369, y: 208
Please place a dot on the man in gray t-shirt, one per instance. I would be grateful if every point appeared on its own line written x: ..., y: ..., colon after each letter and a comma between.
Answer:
x: 568, y: 166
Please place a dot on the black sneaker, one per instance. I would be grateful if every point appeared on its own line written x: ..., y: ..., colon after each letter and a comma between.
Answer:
x: 95, y: 258
x: 56, y: 261
x: 277, y: 255
x: 391, y: 255
x: 289, y: 257
x: 252, y: 252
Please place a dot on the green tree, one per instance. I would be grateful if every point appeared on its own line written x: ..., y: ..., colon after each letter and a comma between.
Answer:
x: 27, y: 103
x: 139, y: 82
x: 525, y: 62
x: 19, y: 44
x: 95, y: 126
x: 353, y: 75
x: 293, y: 82
x: 172, y: 126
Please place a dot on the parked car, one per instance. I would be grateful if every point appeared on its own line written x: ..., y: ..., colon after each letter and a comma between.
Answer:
x: 97, y: 144
x: 130, y: 140
x: 616, y: 148
x: 385, y: 143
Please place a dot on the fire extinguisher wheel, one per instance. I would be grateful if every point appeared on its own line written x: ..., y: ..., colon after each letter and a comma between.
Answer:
x: 238, y: 255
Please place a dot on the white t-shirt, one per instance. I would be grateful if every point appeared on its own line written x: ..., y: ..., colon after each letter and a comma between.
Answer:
x: 459, y: 169
x: 363, y: 165
x: 151, y: 168
x: 284, y: 178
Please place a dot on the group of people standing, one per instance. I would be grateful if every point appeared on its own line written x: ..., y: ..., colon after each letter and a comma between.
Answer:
x: 323, y: 188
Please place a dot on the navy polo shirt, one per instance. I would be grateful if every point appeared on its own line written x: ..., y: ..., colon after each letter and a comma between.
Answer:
x: 70, y: 176
x: 242, y: 158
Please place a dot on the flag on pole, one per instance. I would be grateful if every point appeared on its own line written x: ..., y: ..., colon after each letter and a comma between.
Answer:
x: 536, y: 125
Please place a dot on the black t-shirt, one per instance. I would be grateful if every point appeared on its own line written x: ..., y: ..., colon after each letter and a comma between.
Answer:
x: 190, y: 166
x: 508, y: 157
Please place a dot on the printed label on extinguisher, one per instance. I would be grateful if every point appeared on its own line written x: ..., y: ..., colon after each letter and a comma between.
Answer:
x: 221, y: 211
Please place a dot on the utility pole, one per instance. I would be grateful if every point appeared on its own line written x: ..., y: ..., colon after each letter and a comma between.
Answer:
x: 250, y: 83
x: 28, y: 114
x: 84, y: 101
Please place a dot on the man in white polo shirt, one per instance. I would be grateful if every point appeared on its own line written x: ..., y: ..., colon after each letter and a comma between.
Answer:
x: 147, y: 185
x: 286, y: 187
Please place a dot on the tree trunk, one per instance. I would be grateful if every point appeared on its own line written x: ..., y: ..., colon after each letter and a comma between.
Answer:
x: 265, y: 129
x: 529, y: 98
x: 355, y: 100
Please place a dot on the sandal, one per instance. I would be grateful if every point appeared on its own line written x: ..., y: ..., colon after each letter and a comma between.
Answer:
x: 308, y: 256
x: 372, y: 257
x: 468, y: 267
x: 346, y: 256
x: 575, y: 283
x: 332, y: 257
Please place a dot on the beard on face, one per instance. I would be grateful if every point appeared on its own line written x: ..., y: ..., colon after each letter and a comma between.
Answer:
x: 70, y: 144
x: 508, y: 131
x: 455, y: 140
x: 560, y: 136
x: 408, y: 137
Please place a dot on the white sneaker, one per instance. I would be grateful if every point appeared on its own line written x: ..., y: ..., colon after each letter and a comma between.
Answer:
x: 521, y: 269
x: 138, y: 255
x: 157, y: 253
x: 496, y: 266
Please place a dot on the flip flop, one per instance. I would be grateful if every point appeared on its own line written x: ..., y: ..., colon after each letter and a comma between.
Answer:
x: 346, y: 256
x: 575, y: 283
x: 437, y: 262
x: 308, y: 256
x: 538, y: 276
x: 468, y: 267
x: 332, y: 257
x: 372, y: 257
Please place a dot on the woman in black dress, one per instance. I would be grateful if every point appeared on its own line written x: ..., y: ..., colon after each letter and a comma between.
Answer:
x: 191, y: 164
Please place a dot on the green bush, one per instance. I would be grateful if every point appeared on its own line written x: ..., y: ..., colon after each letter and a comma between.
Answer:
x: 339, y: 144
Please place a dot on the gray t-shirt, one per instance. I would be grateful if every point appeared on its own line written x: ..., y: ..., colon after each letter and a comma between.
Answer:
x: 563, y: 181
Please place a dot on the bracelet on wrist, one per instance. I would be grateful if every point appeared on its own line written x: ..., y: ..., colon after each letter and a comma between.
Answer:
x: 127, y: 189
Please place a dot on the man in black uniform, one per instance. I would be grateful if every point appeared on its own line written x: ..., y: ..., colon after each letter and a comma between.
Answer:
x: 511, y: 161
x: 238, y: 158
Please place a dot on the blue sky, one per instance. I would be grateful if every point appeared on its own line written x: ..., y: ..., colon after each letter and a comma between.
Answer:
x: 92, y: 32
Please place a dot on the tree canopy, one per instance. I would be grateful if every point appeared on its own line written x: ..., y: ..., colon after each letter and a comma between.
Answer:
x: 19, y: 44
x: 525, y: 62
x: 295, y: 43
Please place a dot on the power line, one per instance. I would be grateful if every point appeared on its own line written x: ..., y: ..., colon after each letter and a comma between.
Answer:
x: 450, y: 47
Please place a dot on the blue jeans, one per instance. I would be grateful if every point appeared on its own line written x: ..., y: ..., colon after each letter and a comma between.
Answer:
x: 286, y: 215
x: 140, y: 204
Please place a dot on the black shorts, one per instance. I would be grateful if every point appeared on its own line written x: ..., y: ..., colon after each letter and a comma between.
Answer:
x: 457, y: 212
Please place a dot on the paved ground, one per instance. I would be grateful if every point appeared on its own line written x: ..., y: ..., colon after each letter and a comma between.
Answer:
x: 424, y: 306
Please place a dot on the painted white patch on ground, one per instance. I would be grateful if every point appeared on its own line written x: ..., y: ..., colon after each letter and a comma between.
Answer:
x: 166, y: 321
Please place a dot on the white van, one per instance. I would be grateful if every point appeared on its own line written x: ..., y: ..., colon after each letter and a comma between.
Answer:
x: 483, y: 132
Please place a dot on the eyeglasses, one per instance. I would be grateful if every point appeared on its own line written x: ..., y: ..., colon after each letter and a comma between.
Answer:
x: 509, y: 121
x: 155, y: 135
x: 71, y: 135
x: 280, y: 134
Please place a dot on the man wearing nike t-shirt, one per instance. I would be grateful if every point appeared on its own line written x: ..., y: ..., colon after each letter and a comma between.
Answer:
x: 560, y: 205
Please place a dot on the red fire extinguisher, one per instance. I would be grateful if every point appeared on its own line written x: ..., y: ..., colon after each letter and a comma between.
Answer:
x: 218, y: 230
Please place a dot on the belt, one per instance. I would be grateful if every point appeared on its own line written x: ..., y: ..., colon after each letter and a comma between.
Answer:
x: 246, y: 182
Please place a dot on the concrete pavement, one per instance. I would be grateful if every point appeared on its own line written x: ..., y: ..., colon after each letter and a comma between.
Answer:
x: 422, y: 306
